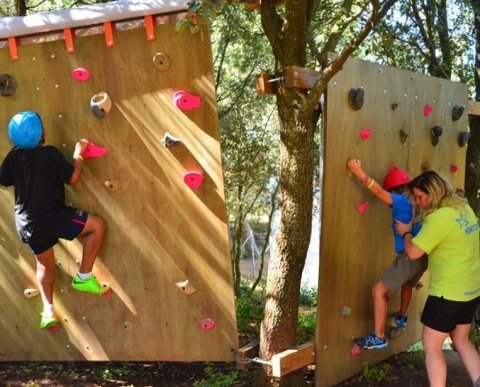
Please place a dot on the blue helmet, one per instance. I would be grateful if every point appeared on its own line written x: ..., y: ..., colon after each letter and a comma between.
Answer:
x: 25, y: 129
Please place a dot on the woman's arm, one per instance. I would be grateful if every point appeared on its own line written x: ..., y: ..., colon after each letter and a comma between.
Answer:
x: 405, y: 230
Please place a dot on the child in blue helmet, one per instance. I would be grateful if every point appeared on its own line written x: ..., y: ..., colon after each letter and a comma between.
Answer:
x: 38, y: 173
x: 402, y: 273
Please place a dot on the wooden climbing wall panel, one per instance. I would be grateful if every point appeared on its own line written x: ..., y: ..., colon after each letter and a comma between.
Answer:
x: 356, y: 247
x: 166, y: 251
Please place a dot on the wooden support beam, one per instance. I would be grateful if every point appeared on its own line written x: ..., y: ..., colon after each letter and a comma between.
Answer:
x: 264, y: 87
x: 473, y: 108
x: 293, y: 359
x: 300, y: 78
x: 246, y: 353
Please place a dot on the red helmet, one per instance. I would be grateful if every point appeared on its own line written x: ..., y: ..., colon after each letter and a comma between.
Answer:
x: 395, y: 177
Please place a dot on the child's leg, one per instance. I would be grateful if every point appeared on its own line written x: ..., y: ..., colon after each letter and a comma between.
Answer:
x: 93, y: 234
x: 405, y: 298
x: 379, y: 291
x: 45, y: 274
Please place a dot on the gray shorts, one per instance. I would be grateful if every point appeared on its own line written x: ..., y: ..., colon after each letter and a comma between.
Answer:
x: 403, y: 270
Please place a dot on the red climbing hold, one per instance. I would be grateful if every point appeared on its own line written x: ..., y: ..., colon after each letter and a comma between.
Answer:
x: 193, y: 179
x: 81, y: 74
x: 362, y: 207
x: 453, y: 168
x: 93, y: 151
x: 365, y: 133
x: 427, y: 110
x: 207, y: 324
x: 186, y: 101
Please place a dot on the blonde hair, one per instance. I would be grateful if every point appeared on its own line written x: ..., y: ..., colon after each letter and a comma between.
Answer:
x: 440, y: 191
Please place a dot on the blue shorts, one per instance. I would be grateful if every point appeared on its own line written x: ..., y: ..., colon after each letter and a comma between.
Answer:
x: 73, y: 229
x: 444, y: 315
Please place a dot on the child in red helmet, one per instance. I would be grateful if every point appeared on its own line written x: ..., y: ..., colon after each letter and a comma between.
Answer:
x: 402, y: 272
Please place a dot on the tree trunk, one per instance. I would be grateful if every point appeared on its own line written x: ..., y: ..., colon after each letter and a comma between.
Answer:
x: 278, y: 330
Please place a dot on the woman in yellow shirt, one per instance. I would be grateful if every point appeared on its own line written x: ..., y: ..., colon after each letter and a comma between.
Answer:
x: 450, y: 237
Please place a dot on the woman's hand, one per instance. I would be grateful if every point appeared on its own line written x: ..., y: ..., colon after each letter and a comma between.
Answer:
x: 402, y: 228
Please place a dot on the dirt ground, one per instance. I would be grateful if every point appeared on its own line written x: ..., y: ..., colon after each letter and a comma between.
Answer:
x: 403, y: 373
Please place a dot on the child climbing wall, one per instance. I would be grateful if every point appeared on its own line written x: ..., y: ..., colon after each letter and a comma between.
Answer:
x: 383, y: 116
x: 145, y: 96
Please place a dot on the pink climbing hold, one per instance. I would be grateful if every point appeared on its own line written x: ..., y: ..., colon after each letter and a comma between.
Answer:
x: 453, y: 168
x: 362, y: 207
x: 427, y: 110
x: 365, y: 134
x: 81, y: 74
x: 93, y: 151
x: 193, y: 179
x: 186, y: 101
x: 207, y: 324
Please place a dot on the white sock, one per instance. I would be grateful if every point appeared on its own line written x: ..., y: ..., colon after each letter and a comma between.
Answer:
x: 84, y: 276
x: 48, y: 310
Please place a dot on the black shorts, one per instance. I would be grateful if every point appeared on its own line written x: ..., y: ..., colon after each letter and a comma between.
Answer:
x: 444, y: 315
x: 74, y: 227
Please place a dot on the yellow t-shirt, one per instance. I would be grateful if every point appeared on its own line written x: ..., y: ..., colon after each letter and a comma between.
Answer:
x: 450, y: 237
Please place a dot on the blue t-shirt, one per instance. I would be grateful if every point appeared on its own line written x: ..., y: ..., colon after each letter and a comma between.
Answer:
x: 402, y: 210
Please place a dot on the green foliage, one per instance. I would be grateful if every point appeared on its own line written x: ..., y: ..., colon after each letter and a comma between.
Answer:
x: 216, y: 378
x: 306, y: 326
x: 249, y: 310
x: 376, y: 374
x: 413, y: 360
x: 116, y: 370
x: 308, y: 296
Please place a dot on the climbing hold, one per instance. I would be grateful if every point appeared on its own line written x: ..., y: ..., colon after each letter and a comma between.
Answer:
x: 207, y: 324
x: 186, y: 101
x: 127, y: 325
x: 362, y: 207
x: 93, y: 151
x: 365, y: 133
x: 112, y: 185
x: 356, y: 98
x: 463, y: 138
x: 186, y: 287
x: 30, y: 293
x: 427, y: 110
x: 394, y: 106
x: 168, y: 140
x: 453, y: 168
x: 403, y: 136
x: 457, y: 112
x: 435, y: 133
x: 193, y: 179
x: 107, y: 289
x: 100, y: 104
x: 425, y: 166
x: 346, y: 311
x: 8, y: 85
x: 162, y: 61
x: 81, y: 74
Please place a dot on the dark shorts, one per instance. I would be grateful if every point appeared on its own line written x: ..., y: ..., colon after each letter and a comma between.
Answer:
x: 444, y: 315
x: 74, y: 227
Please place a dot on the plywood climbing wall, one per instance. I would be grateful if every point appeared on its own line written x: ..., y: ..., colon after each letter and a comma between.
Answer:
x: 356, y: 247
x: 166, y: 252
